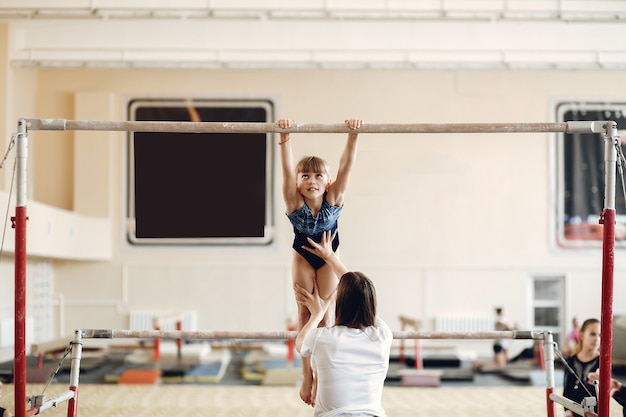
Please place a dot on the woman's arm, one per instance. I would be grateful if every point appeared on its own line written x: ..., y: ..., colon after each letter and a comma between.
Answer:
x: 316, y: 305
x: 617, y: 390
x: 620, y: 394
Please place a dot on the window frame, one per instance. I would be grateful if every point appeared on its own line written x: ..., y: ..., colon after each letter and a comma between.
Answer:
x: 131, y: 221
x: 557, y: 303
x: 589, y: 229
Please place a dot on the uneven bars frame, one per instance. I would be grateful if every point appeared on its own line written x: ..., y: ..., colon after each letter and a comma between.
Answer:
x: 40, y: 404
x: 607, y: 217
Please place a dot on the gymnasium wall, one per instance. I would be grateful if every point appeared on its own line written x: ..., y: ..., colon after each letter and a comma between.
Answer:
x: 443, y: 223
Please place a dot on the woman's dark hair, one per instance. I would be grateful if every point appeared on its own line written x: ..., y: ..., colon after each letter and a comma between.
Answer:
x: 356, y: 301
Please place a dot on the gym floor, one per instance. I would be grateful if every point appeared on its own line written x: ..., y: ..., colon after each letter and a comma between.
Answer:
x: 483, y: 394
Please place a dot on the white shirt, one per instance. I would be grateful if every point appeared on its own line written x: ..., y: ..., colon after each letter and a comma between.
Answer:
x: 351, y: 366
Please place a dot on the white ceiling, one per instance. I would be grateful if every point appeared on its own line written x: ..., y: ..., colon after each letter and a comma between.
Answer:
x: 320, y: 9
x: 405, y: 34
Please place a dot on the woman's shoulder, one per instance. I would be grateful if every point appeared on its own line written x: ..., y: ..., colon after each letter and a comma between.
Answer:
x: 383, y: 326
x: 380, y: 322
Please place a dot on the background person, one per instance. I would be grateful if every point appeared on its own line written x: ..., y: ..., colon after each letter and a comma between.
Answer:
x: 584, y: 361
x: 572, y: 338
x: 501, y: 346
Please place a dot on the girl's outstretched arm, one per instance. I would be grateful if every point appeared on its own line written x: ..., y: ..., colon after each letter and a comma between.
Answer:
x: 290, y: 194
x: 346, y: 162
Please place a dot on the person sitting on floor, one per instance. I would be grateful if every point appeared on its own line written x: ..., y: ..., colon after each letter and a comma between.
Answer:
x: 530, y: 355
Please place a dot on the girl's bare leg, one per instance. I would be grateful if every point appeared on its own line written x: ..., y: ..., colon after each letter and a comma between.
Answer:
x: 303, y: 274
x: 327, y: 283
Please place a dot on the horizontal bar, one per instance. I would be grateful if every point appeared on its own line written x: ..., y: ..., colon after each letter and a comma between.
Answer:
x: 284, y: 335
x: 228, y: 127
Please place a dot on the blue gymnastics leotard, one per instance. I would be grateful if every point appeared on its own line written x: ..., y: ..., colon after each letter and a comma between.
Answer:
x: 306, y: 225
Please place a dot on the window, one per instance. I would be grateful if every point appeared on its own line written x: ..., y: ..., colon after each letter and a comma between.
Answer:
x: 200, y: 188
x: 581, y: 177
x: 548, y: 304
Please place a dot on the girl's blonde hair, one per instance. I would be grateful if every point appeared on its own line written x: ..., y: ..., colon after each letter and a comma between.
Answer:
x: 579, y: 344
x: 313, y: 164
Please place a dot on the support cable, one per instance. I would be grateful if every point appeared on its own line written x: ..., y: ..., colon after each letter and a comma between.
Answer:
x: 6, y: 217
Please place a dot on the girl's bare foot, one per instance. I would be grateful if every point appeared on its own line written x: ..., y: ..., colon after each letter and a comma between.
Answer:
x: 314, y: 389
x: 306, y: 389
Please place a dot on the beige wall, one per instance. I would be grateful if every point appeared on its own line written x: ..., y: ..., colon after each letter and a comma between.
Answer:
x: 444, y: 224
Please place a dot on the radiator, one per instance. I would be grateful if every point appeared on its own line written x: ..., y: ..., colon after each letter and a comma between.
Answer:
x: 464, y: 323
x: 143, y: 320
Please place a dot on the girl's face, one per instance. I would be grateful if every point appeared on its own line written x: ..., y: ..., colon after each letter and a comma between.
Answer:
x: 590, y: 338
x: 312, y: 184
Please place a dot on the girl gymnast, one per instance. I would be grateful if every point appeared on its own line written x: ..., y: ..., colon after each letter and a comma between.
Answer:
x: 313, y: 203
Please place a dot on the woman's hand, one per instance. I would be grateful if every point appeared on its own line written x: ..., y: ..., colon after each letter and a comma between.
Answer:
x: 317, y: 305
x: 594, y: 377
x: 324, y: 249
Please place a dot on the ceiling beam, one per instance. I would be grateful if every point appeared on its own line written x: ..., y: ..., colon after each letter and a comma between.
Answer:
x: 306, y: 43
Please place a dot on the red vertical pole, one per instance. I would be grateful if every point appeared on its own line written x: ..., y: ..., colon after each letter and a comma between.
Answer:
x: 179, y: 341
x: 549, y: 403
x: 401, y: 358
x: 19, y: 371
x: 72, y: 404
x: 156, y: 349
x: 548, y: 360
x: 607, y: 218
x: 291, y: 346
x: 606, y: 317
x: 77, y: 352
x: 419, y: 361
x: 19, y: 223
